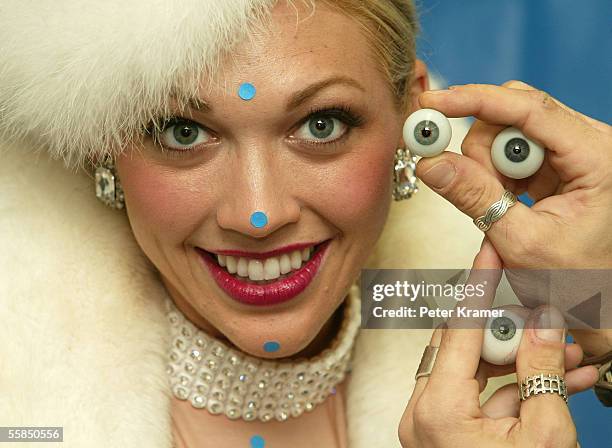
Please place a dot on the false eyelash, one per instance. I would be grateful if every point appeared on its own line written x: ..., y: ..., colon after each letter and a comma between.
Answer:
x: 342, y: 112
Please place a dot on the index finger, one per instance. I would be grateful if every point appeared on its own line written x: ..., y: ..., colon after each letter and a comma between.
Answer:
x: 576, y: 147
x: 459, y: 353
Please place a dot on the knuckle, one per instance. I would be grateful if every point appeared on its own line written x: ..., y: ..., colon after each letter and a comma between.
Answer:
x: 543, y: 99
x: 547, y: 361
x: 515, y: 83
x: 474, y: 198
x: 424, y: 417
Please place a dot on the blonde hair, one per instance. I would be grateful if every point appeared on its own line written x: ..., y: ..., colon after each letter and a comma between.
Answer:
x: 392, y: 28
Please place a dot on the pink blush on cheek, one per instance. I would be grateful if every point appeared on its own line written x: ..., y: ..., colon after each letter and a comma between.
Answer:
x: 365, y: 186
x: 160, y: 198
x: 356, y: 193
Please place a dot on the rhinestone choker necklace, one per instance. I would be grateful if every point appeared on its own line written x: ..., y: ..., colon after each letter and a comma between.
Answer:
x: 222, y: 379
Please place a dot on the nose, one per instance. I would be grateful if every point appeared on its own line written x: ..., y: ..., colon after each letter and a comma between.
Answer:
x: 258, y: 198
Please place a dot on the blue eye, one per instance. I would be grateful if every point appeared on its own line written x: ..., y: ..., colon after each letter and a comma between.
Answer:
x: 182, y: 134
x: 322, y: 129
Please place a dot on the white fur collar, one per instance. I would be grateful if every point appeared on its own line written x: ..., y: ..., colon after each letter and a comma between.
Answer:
x: 83, y: 331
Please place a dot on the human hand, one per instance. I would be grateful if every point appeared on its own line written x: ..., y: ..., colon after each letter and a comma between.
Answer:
x: 569, y: 225
x: 444, y: 409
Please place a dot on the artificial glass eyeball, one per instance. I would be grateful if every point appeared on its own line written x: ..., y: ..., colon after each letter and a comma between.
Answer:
x: 427, y: 132
x: 502, y: 337
x: 514, y: 155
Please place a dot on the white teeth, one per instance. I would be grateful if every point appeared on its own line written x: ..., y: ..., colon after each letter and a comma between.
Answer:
x: 285, y: 264
x: 231, y: 264
x: 256, y: 270
x: 243, y: 267
x: 268, y: 269
x: 271, y: 268
x: 296, y: 259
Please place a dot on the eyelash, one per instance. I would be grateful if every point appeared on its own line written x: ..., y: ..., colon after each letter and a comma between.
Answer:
x: 343, y: 113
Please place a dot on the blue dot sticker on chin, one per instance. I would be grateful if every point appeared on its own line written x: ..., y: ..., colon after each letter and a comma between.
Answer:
x: 271, y: 346
x: 258, y: 442
x: 259, y: 219
x: 246, y: 91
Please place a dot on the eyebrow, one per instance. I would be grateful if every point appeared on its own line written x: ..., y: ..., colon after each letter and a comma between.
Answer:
x: 199, y: 105
x: 297, y: 98
x: 302, y: 96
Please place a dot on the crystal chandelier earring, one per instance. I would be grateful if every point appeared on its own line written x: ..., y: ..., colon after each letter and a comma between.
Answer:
x: 405, y: 182
x: 108, y: 185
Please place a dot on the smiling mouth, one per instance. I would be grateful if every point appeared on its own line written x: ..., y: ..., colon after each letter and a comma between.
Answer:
x: 267, y: 271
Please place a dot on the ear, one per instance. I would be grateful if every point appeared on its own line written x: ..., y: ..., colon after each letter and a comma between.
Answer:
x: 419, y: 84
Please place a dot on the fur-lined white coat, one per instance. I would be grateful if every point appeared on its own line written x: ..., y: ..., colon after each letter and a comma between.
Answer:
x: 83, y: 335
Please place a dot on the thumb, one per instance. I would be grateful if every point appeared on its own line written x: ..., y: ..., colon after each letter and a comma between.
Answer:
x: 471, y: 188
x: 542, y: 351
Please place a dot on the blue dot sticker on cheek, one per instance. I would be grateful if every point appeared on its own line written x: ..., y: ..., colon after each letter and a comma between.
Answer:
x: 258, y: 442
x: 271, y: 346
x: 259, y: 219
x: 246, y: 91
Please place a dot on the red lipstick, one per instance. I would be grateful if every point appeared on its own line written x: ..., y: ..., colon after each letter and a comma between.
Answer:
x: 279, y: 291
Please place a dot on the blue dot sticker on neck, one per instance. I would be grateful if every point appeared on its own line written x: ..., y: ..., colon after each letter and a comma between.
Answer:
x: 246, y: 91
x: 259, y: 219
x: 258, y: 442
x: 271, y: 346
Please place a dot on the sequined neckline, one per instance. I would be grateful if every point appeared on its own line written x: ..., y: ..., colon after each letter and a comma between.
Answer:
x: 224, y: 380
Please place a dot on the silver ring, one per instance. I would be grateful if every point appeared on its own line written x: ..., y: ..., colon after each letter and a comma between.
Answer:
x: 496, y: 211
x: 427, y: 362
x: 543, y: 383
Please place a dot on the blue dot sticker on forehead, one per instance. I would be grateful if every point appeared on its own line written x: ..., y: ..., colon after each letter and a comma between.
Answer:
x: 258, y: 442
x: 259, y: 219
x: 271, y: 346
x: 246, y: 91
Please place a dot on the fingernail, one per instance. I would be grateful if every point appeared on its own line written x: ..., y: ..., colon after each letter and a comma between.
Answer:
x: 440, y: 175
x: 550, y: 325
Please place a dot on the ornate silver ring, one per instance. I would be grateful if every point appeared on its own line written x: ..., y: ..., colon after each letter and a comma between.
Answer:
x: 496, y: 211
x: 542, y: 384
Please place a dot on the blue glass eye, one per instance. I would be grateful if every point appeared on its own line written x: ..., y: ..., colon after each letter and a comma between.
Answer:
x: 427, y: 132
x: 516, y: 156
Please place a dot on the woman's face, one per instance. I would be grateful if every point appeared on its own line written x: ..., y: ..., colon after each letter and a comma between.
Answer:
x: 313, y: 150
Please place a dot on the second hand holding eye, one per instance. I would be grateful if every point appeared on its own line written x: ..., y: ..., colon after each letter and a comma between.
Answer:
x: 577, y: 161
x: 572, y: 192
